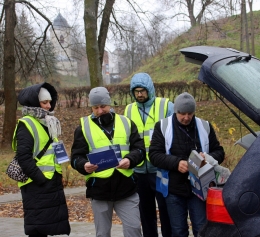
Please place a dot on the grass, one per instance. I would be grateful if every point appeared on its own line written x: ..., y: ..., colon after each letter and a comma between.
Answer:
x: 6, y: 156
x: 70, y: 176
x: 169, y: 64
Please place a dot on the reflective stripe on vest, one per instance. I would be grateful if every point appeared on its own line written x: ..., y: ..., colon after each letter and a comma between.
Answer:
x: 98, y: 141
x: 157, y: 112
x: 48, y: 162
x: 203, y: 131
x: 162, y: 175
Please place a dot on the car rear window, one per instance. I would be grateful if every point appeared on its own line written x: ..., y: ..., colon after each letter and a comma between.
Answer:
x: 241, y: 77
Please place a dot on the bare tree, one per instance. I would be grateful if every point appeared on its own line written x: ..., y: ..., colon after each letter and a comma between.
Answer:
x: 186, y: 9
x: 250, y: 2
x: 95, y: 45
x: 93, y: 51
x: 244, y: 28
x: 9, y: 72
x: 8, y: 14
x: 100, y: 16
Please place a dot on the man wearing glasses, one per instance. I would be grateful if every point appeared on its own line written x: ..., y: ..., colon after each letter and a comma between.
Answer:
x: 145, y: 112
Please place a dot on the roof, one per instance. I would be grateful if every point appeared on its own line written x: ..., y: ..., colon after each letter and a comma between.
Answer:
x: 60, y: 21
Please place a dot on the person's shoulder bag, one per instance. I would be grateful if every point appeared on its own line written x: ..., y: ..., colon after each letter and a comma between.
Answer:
x: 15, y: 172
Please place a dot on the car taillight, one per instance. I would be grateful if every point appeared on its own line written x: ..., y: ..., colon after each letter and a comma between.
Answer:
x: 216, y: 210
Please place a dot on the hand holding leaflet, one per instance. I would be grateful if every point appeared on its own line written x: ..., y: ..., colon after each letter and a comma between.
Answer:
x: 124, y: 164
x: 104, y: 159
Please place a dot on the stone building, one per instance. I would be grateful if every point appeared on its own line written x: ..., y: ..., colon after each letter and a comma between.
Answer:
x: 70, y: 61
x: 62, y: 42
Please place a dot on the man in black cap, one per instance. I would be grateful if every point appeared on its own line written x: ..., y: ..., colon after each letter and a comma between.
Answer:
x: 114, y: 188
x: 173, y: 140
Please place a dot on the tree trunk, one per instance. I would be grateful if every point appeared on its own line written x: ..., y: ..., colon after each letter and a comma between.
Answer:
x: 92, y: 50
x: 190, y: 7
x: 242, y: 27
x: 252, y: 26
x: 104, y: 27
x: 246, y: 28
x: 9, y: 74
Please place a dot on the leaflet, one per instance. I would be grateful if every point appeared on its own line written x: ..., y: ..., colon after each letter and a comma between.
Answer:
x: 60, y: 152
x: 104, y: 159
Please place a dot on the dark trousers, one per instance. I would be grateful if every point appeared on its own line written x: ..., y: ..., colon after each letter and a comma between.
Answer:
x: 179, y: 207
x: 147, y: 206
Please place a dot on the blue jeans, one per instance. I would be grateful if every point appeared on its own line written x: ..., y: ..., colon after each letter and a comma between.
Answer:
x: 178, y: 208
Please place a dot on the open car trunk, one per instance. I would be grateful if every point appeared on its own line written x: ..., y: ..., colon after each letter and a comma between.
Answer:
x: 236, y: 76
x: 233, y: 74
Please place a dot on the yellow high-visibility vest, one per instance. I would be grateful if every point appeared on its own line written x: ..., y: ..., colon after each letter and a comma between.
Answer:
x: 98, y: 141
x: 48, y: 162
x: 157, y: 112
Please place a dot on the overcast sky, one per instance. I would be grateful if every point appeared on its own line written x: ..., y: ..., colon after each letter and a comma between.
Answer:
x: 74, y: 13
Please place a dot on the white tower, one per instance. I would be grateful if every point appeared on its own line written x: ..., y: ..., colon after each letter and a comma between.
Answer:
x: 66, y: 64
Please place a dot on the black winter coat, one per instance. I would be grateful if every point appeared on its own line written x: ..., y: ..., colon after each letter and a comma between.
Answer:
x: 117, y: 186
x: 44, y: 203
x: 185, y: 139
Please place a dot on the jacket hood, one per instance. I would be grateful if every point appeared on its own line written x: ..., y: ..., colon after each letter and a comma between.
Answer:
x: 29, y: 95
x: 145, y: 81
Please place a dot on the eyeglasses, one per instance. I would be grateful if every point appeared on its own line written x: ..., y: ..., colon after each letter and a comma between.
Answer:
x: 139, y: 91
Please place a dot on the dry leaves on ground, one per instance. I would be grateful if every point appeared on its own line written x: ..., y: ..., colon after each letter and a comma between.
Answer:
x: 79, y: 209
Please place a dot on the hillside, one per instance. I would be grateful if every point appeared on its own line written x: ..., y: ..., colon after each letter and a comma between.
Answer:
x: 169, y: 64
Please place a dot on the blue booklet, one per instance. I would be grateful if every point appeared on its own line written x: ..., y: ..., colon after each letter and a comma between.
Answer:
x: 117, y: 150
x: 104, y: 159
x: 60, y: 152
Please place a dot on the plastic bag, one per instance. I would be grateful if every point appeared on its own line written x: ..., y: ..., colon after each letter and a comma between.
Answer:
x: 222, y: 173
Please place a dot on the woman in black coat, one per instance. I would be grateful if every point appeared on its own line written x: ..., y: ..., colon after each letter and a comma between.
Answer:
x: 44, y: 203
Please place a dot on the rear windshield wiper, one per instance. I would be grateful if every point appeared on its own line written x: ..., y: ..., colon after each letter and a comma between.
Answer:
x: 239, y: 58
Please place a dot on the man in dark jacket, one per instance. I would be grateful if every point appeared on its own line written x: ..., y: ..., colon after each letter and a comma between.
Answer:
x: 173, y: 140
x: 114, y: 187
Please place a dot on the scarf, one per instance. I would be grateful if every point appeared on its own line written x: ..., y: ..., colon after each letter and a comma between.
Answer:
x: 46, y: 118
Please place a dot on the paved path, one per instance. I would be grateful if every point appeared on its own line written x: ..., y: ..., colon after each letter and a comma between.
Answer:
x: 13, y: 227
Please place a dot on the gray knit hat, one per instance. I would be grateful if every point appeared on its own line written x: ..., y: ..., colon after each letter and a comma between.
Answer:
x: 184, y: 103
x: 99, y: 96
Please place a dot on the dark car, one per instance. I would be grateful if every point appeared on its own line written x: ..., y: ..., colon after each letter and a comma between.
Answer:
x: 234, y: 210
